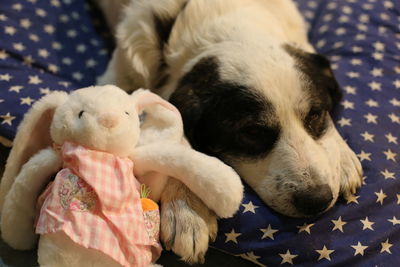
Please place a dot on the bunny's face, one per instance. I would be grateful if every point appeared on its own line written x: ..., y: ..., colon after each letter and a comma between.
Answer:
x: 103, y: 118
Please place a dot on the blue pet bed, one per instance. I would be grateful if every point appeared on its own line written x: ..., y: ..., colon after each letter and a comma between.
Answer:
x: 63, y: 45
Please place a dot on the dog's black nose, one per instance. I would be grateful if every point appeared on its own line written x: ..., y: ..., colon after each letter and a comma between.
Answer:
x: 313, y: 200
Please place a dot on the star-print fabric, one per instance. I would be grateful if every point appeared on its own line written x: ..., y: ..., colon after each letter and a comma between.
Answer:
x: 50, y: 45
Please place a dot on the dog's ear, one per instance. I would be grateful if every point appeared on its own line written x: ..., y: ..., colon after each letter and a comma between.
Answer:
x: 318, y: 70
x: 142, y: 36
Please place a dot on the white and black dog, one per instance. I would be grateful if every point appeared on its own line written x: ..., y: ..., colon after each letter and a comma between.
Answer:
x: 251, y: 90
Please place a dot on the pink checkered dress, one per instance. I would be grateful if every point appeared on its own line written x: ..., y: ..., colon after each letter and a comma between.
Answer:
x: 95, y: 200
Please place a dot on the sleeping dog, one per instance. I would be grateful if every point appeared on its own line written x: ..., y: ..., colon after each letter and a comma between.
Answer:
x: 251, y: 90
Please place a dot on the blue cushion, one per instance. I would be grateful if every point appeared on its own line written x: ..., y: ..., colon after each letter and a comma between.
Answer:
x: 60, y: 46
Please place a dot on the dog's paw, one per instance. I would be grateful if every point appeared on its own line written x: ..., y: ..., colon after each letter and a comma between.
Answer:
x: 351, y: 173
x: 187, y: 230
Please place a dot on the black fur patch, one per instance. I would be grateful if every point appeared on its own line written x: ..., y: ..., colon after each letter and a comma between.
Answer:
x: 323, y: 88
x: 224, y: 118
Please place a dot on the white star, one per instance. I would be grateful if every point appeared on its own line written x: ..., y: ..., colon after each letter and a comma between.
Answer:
x: 386, y: 246
x: 5, y: 77
x: 53, y: 68
x: 390, y: 155
x: 305, y: 228
x: 380, y: 196
x: 364, y: 156
x: 232, y: 236
x: 379, y: 46
x: 72, y: 33
x: 352, y: 198
x: 398, y: 199
x: 15, y: 88
x: 394, y: 221
x: 391, y: 138
x: 357, y: 49
x: 27, y: 100
x: 356, y: 62
x: 19, y: 46
x: 360, y: 37
x: 372, y: 103
x: 44, y: 91
x: 368, y: 137
x: 3, y: 54
x: 338, y: 224
x: 34, y: 79
x: 363, y: 28
x: 90, y: 63
x: 43, y: 53
x: 388, y: 175
x: 396, y: 83
x: 249, y: 207
x: 40, y: 12
x: 56, y: 46
x: 377, y: 56
x: 324, y: 253
x: 81, y: 48
x: 287, y: 257
x: 367, y: 224
x: 7, y: 119
x: 375, y: 86
x: 250, y: 256
x: 343, y: 19
x: 394, y: 118
x: 353, y: 74
x: 350, y: 90
x: 344, y: 122
x: 363, y: 18
x: 395, y: 102
x: 359, y: 249
x: 17, y: 7
x: 65, y: 84
x: 377, y: 72
x: 49, y: 29
x: 371, y: 118
x: 55, y: 3
x: 77, y: 76
x: 3, y: 17
x: 347, y: 104
x: 268, y: 232
x: 10, y: 30
x: 66, y: 61
x: 388, y: 4
x: 25, y: 23
x: 28, y: 60
x: 34, y: 37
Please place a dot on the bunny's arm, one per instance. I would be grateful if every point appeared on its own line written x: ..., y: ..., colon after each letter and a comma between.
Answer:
x: 19, y: 209
x: 215, y: 183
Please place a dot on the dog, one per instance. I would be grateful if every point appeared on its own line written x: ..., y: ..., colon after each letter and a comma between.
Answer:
x: 252, y: 91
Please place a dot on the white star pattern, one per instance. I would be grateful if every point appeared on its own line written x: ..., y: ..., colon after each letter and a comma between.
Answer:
x: 287, y: 257
x: 249, y: 207
x: 380, y: 196
x: 359, y: 249
x: 268, y: 232
x: 325, y: 253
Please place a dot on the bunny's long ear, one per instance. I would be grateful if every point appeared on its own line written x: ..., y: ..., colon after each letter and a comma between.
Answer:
x: 33, y: 134
x: 160, y: 120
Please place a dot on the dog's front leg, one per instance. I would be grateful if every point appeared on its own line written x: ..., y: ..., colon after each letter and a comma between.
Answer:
x: 187, y: 224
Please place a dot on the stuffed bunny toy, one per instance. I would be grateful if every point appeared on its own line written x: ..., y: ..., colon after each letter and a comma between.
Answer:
x: 103, y: 144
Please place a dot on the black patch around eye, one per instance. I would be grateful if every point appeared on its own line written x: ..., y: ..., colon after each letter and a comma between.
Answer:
x: 223, y: 118
x: 317, y: 69
x: 80, y: 114
x: 316, y: 122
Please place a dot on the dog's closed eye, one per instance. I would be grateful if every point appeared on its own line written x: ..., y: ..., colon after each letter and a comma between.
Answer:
x: 315, y: 122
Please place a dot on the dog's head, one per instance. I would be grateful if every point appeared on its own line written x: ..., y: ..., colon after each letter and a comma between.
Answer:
x: 267, y: 114
x: 248, y: 97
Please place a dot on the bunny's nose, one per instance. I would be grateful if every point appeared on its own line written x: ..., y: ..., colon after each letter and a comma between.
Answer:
x: 108, y: 120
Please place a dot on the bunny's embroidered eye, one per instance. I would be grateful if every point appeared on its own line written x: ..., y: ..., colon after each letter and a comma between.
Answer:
x: 127, y: 113
x: 80, y: 114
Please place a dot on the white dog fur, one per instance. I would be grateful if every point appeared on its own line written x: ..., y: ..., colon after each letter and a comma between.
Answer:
x: 182, y: 48
x: 161, y: 150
